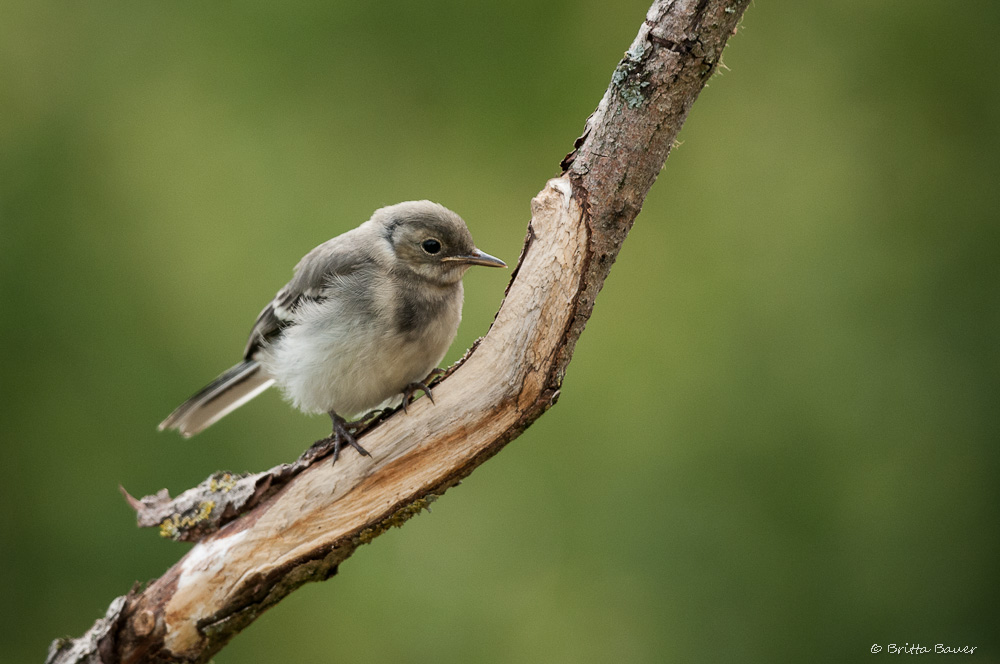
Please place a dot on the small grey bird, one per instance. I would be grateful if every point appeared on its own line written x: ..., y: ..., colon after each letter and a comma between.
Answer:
x: 362, y: 325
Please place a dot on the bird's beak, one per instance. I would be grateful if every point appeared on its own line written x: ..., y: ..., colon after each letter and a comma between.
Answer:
x: 476, y: 258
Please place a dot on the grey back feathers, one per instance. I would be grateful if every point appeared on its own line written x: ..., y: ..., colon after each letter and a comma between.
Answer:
x: 366, y: 314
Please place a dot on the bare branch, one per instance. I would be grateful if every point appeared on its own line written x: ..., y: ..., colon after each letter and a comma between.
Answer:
x: 301, y: 531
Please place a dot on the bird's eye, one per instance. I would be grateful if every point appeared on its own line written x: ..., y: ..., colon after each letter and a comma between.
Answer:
x: 431, y: 246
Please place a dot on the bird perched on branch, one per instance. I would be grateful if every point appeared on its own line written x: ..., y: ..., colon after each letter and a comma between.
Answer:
x: 362, y: 324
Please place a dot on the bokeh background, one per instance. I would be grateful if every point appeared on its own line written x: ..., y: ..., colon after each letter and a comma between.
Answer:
x: 778, y: 439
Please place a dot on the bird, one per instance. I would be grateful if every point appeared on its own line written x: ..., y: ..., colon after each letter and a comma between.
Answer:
x: 362, y: 326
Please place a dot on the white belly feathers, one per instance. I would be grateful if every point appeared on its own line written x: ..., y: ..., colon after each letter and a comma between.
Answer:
x: 327, y: 361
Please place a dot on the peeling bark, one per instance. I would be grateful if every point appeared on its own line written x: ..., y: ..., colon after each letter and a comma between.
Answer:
x: 268, y: 533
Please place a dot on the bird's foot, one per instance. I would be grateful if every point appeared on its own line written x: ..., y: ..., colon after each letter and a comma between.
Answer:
x: 434, y: 375
x: 343, y: 434
x: 411, y: 389
x: 365, y: 420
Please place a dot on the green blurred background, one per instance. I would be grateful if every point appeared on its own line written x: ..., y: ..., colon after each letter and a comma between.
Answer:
x: 777, y: 440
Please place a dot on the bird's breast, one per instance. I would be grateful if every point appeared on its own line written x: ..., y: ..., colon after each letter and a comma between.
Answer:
x: 358, y: 349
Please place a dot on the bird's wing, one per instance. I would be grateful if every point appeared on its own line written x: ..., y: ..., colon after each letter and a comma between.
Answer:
x: 337, y: 257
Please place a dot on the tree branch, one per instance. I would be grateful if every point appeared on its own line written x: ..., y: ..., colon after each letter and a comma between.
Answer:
x: 302, y: 520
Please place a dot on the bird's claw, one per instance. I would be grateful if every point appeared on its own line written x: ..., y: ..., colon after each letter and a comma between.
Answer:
x: 412, y: 388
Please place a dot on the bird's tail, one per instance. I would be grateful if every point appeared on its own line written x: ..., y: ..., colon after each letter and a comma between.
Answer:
x: 219, y: 398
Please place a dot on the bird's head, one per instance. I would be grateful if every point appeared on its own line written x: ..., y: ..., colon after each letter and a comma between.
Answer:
x: 430, y: 241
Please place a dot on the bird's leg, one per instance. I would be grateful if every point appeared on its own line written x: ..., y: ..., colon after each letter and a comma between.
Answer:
x: 343, y: 432
x: 412, y: 388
